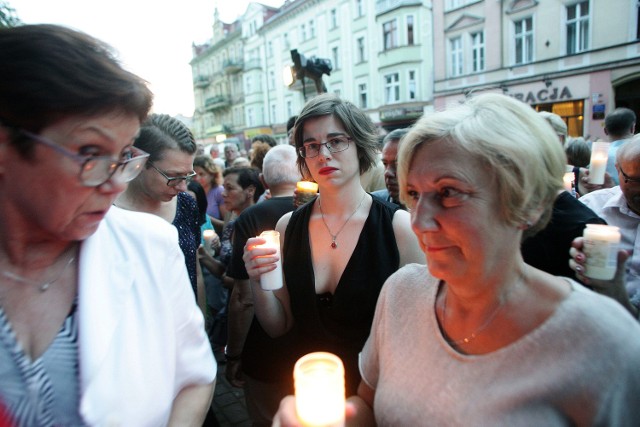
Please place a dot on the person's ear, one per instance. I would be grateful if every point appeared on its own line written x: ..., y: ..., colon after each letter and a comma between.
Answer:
x: 264, y: 183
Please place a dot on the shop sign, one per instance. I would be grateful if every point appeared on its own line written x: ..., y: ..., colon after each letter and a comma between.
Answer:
x: 250, y: 133
x: 545, y: 95
x: 407, y: 113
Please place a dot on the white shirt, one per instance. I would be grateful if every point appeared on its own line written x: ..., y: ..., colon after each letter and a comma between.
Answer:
x: 611, y: 205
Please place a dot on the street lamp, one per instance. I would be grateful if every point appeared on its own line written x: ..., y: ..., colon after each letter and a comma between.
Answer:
x: 312, y: 68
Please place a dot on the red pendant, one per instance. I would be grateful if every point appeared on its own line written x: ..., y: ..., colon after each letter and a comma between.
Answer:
x: 333, y: 245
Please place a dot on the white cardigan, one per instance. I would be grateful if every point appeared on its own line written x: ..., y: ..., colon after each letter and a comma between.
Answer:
x: 141, y: 334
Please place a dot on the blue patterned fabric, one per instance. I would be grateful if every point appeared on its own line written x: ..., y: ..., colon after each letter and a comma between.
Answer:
x: 44, y: 392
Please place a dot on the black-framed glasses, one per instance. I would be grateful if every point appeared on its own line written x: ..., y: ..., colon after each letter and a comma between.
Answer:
x: 334, y: 145
x: 174, y: 181
x: 627, y: 178
x: 96, y: 170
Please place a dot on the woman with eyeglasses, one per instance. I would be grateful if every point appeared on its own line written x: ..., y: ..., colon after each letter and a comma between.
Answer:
x: 98, y: 325
x: 338, y: 249
x: 161, y: 188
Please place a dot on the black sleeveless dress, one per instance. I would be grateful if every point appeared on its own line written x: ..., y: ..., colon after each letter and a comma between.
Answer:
x: 338, y: 323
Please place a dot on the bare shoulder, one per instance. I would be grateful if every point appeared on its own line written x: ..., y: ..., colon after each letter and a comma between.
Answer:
x: 406, y: 239
x: 282, y: 224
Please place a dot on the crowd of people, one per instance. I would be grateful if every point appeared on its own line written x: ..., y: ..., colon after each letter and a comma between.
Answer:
x: 443, y: 263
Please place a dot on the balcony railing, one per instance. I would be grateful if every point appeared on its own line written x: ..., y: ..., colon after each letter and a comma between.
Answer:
x: 202, y: 81
x: 252, y: 64
x: 383, y: 6
x: 232, y: 66
x: 217, y: 102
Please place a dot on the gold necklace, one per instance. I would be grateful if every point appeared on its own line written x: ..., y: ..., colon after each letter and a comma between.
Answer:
x: 474, y: 334
x: 42, y: 287
x: 334, y: 244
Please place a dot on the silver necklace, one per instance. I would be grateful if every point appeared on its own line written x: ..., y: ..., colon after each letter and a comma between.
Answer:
x: 474, y: 334
x: 334, y: 244
x: 42, y: 287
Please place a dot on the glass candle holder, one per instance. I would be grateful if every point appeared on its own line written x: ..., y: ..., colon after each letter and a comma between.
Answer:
x: 208, y: 236
x: 272, y: 280
x: 305, y: 192
x: 319, y: 386
x: 598, y: 164
x: 601, y: 243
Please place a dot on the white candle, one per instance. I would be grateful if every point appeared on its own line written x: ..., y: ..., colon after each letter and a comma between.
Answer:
x: 273, y: 279
x: 601, y: 244
x: 319, y: 386
x: 598, y: 164
x: 208, y: 236
x: 305, y: 191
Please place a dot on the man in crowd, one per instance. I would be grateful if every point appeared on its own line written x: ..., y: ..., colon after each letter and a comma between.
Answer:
x: 252, y: 356
x: 620, y: 206
x: 619, y: 125
x: 389, y: 159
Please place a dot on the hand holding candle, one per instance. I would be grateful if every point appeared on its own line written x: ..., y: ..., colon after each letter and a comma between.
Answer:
x: 272, y: 280
x: 320, y: 393
x: 209, y: 236
x: 598, y: 164
x: 601, y: 244
x: 305, y: 191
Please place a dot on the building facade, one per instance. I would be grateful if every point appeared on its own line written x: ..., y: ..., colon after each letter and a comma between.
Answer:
x: 577, y: 58
x: 381, y: 52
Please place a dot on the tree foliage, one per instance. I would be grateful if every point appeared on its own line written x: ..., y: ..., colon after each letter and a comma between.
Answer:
x: 8, y: 17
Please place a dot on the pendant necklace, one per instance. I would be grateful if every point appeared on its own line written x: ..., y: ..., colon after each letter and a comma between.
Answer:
x: 334, y: 244
x: 474, y: 334
x: 42, y: 287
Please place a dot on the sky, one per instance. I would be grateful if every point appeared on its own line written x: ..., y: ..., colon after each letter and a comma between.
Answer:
x: 152, y: 38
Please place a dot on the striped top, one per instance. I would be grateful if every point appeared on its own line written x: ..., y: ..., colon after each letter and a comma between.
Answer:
x: 44, y: 392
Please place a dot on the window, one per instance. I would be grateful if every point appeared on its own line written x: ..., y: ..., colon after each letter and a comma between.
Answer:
x: 410, y: 41
x: 337, y: 93
x: 272, y: 80
x: 391, y: 88
x: 249, y: 85
x: 273, y: 113
x: 285, y: 40
x: 303, y: 32
x: 289, y: 108
x: 359, y: 9
x: 523, y: 31
x: 390, y: 34
x: 335, y: 58
x: 270, y: 49
x: 577, y: 27
x: 362, y: 95
x: 477, y: 46
x: 250, y: 117
x: 411, y: 85
x: 312, y: 29
x: 333, y: 19
x: 360, y: 50
x: 456, y: 56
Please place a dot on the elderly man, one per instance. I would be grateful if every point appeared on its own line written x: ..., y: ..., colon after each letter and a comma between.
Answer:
x: 230, y: 153
x: 389, y: 156
x: 620, y: 206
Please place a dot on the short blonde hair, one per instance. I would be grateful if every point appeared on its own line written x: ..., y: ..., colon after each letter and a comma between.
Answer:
x: 517, y: 145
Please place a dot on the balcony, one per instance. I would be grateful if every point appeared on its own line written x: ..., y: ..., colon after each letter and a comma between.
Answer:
x: 384, y: 6
x: 253, y: 63
x: 216, y: 103
x: 232, y: 66
x: 201, y: 81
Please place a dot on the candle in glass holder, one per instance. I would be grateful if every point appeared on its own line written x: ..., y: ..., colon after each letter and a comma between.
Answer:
x: 208, y: 236
x: 601, y: 244
x: 598, y: 164
x: 305, y: 191
x: 271, y: 280
x: 319, y: 387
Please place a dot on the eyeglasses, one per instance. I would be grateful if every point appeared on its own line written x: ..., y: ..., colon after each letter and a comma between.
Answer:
x: 96, y: 170
x: 627, y: 178
x: 174, y: 181
x: 334, y: 145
